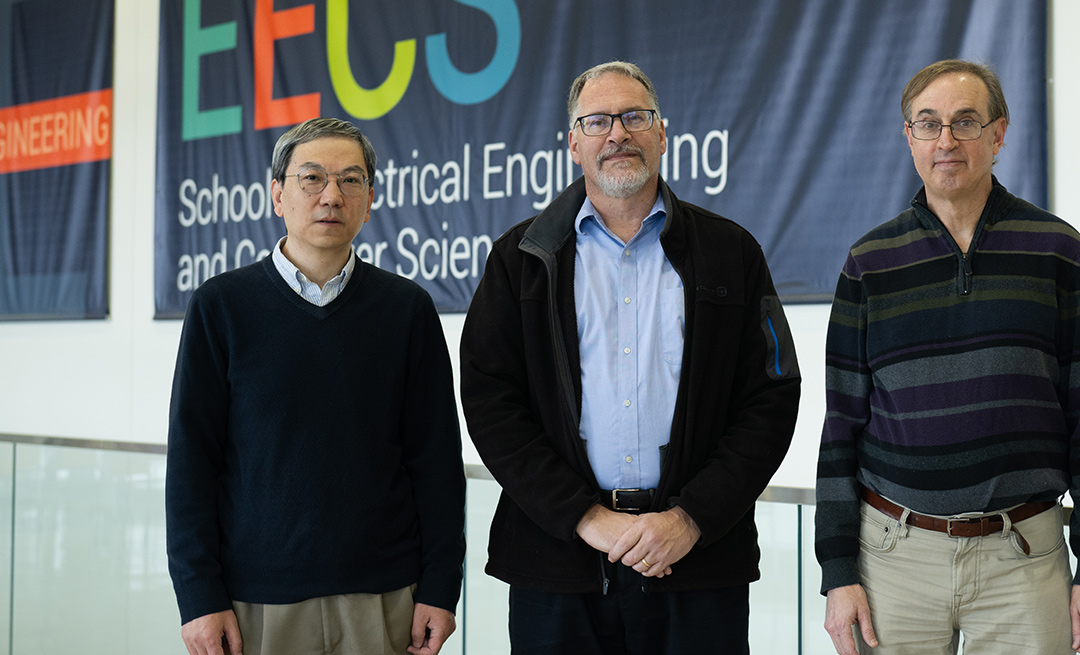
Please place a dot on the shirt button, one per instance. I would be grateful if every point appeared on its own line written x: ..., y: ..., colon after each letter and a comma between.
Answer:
x: 626, y: 300
x: 629, y: 459
x: 626, y: 252
x: 626, y: 351
x: 626, y: 403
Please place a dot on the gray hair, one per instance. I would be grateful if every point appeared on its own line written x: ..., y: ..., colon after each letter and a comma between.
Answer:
x: 624, y: 68
x: 997, y: 106
x: 319, y: 128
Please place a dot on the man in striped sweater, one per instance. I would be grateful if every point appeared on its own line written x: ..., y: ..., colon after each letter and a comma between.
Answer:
x: 952, y: 391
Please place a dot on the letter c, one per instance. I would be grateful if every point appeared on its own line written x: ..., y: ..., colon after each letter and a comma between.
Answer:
x: 365, y: 104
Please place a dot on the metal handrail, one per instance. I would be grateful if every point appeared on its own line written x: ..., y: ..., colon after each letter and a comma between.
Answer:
x: 772, y: 494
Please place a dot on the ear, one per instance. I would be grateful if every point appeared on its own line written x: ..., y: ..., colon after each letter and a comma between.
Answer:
x: 370, y: 200
x: 1000, y: 125
x: 275, y: 195
x: 572, y: 140
x: 663, y: 136
x: 911, y: 141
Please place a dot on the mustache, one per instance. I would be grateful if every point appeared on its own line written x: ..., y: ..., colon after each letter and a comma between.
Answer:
x: 619, y: 149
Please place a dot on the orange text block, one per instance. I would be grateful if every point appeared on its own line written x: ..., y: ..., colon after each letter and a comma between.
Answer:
x: 57, y: 132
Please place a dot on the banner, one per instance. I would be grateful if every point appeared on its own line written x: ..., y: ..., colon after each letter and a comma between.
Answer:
x: 55, y: 149
x: 782, y: 115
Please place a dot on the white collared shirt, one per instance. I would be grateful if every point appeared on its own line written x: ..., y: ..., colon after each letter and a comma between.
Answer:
x: 307, y: 289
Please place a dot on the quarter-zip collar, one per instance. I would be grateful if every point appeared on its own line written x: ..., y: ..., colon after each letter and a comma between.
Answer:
x: 998, y: 204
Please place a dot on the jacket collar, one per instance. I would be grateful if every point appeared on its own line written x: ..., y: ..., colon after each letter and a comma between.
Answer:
x: 555, y: 225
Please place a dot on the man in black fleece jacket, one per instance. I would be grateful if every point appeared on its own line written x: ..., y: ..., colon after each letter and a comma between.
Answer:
x: 629, y: 378
x: 315, y: 490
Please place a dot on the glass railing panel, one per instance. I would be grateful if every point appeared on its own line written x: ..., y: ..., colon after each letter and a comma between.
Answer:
x: 815, y: 641
x: 774, y: 599
x: 7, y: 476
x: 486, y: 599
x: 90, y: 571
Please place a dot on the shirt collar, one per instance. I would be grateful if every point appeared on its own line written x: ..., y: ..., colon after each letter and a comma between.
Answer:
x: 658, y: 211
x: 295, y: 278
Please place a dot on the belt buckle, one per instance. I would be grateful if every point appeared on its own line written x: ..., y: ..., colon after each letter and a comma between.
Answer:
x: 615, y: 501
x: 979, y: 520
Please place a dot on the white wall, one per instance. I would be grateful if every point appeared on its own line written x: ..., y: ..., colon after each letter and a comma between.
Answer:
x: 110, y: 379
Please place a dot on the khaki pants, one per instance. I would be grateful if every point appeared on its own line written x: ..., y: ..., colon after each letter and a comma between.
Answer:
x: 351, y: 624
x: 926, y: 588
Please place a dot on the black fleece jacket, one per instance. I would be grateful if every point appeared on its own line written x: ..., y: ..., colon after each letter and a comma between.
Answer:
x: 521, y: 390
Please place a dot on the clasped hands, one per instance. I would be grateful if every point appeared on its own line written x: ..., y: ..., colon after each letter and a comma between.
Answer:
x: 648, y: 543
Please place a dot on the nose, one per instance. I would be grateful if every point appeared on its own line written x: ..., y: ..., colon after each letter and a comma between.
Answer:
x: 618, y: 132
x: 945, y: 140
x: 331, y: 193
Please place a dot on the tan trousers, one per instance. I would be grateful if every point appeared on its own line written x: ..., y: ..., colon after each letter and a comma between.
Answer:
x: 926, y: 588
x: 351, y: 624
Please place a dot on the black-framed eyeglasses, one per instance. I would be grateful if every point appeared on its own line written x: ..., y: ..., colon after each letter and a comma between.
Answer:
x: 314, y: 180
x: 635, y: 120
x: 968, y: 129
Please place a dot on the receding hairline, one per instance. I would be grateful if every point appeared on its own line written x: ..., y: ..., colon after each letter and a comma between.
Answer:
x: 916, y: 111
x: 619, y: 68
x: 997, y: 106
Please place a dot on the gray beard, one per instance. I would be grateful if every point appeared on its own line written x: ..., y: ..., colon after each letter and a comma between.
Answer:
x: 621, y: 183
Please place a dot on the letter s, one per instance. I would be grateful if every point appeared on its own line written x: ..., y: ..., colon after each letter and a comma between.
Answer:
x: 474, y: 88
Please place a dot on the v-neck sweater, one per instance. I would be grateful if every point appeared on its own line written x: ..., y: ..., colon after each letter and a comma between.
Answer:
x: 313, y: 451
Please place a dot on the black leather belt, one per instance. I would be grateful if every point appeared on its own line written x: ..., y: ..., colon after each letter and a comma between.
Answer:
x: 628, y: 500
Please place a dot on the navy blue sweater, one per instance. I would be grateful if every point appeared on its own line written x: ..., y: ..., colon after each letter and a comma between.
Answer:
x: 313, y: 451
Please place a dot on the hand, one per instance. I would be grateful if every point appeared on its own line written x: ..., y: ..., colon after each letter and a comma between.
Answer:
x: 204, y: 635
x: 1074, y: 613
x: 601, y: 527
x: 431, y: 626
x: 659, y: 539
x: 846, y: 606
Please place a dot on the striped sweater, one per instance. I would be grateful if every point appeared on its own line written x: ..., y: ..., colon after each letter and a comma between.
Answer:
x: 952, y: 381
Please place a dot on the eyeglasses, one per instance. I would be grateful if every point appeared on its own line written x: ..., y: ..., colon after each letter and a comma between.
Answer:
x: 965, y: 130
x: 635, y: 120
x: 314, y: 180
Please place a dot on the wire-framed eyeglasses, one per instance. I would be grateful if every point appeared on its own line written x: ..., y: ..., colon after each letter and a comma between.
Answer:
x: 313, y: 180
x: 968, y: 129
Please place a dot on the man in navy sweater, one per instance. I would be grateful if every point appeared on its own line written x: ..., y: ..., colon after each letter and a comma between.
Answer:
x: 315, y: 490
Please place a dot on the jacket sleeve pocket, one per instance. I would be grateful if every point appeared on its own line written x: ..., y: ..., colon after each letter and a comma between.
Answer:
x: 780, y: 361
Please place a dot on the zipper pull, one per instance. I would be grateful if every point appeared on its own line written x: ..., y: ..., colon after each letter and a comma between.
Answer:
x: 967, y: 276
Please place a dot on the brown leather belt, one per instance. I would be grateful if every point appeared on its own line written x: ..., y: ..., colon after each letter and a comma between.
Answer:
x: 979, y: 526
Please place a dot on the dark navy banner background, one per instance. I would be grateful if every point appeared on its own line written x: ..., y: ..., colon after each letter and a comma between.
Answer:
x: 781, y: 114
x: 56, y: 60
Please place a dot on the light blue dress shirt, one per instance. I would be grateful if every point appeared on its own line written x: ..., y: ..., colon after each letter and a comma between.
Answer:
x: 630, y: 317
x: 307, y: 289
